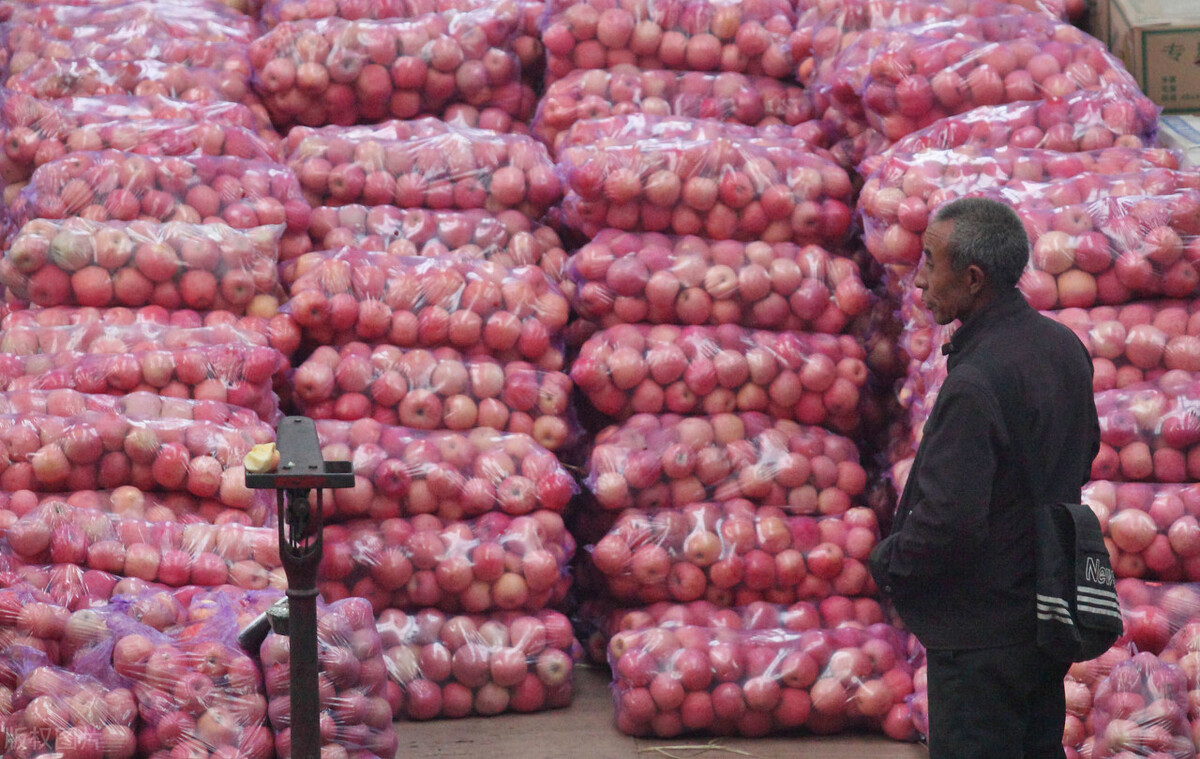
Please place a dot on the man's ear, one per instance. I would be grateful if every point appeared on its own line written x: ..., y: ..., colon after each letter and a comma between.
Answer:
x: 976, y: 279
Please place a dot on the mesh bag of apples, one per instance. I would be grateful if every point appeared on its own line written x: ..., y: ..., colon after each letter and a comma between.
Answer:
x: 355, y: 716
x: 752, y: 682
x: 443, y: 666
x: 697, y: 35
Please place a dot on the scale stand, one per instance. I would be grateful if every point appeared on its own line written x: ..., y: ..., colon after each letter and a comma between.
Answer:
x: 300, y: 470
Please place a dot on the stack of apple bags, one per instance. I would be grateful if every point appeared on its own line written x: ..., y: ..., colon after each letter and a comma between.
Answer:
x: 432, y: 322
x: 1065, y: 137
x: 728, y: 515
x: 145, y: 233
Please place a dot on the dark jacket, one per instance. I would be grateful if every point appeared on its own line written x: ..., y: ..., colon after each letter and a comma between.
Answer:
x: 959, y: 564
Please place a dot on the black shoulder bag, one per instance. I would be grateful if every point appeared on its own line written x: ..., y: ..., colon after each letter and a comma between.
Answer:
x: 1078, y: 616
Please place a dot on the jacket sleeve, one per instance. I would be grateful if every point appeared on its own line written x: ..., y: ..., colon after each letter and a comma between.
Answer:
x: 948, y: 517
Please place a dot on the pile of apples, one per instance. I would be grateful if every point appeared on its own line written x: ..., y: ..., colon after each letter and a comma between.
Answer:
x: 622, y: 90
x: 629, y: 277
x: 1141, y: 707
x: 54, y: 711
x: 701, y: 35
x: 57, y: 78
x: 669, y: 461
x: 354, y: 712
x: 167, y: 553
x: 426, y: 163
x: 507, y: 238
x: 196, y: 189
x: 1151, y: 530
x: 735, y: 553
x: 34, y: 133
x: 898, y: 198
x: 119, y: 329
x: 127, y: 501
x: 438, y: 389
x: 442, y: 666
x: 1156, y: 614
x: 714, y: 680
x: 341, y: 71
x: 447, y: 474
x: 721, y: 188
x: 124, y: 445
x: 906, y: 78
x: 1136, y: 342
x: 232, y: 373
x: 473, y: 305
x: 805, y: 377
x: 194, y: 694
x: 527, y: 45
x: 824, y: 29
x: 101, y: 264
x: 1080, y: 122
x: 495, y: 562
x: 1148, y: 431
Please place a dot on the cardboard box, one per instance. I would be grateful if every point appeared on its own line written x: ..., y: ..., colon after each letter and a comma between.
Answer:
x: 1159, y: 41
x: 1096, y: 21
x: 1183, y: 134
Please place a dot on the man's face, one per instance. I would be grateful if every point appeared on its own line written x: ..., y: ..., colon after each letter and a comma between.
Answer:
x: 946, y: 292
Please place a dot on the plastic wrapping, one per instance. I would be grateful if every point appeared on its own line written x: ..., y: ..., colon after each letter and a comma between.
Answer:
x: 401, y: 472
x: 439, y: 389
x: 1151, y: 530
x: 107, y: 449
x: 755, y: 101
x: 1136, y: 342
x: 67, y: 585
x: 35, y: 133
x: 911, y: 185
x: 425, y: 163
x: 478, y: 307
x: 195, y: 693
x: 354, y: 712
x: 624, y: 277
x: 277, y: 331
x: 495, y: 562
x: 29, y: 617
x: 56, y: 712
x: 527, y: 45
x: 135, y: 39
x: 667, y: 460
x: 603, y: 618
x: 97, y: 337
x: 1141, y: 709
x: 720, y: 188
x: 194, y: 189
x: 52, y: 122
x: 1079, y: 122
x: 906, y: 78
x: 54, y: 78
x: 599, y: 133
x: 735, y: 552
x: 1148, y: 431
x: 400, y: 68
x: 697, y: 35
x: 236, y: 374
x: 825, y: 29
x: 212, y: 22
x: 75, y: 261
x: 477, y: 665
x: 639, y: 369
x: 757, y: 682
x: 507, y: 238
x: 135, y: 503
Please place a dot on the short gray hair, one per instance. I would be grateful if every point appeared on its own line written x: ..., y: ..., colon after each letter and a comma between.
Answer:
x: 990, y: 235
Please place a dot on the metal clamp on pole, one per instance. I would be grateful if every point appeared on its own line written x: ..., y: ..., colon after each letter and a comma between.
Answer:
x: 300, y: 470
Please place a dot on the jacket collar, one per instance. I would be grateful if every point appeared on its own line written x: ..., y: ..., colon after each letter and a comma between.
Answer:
x: 1005, y: 306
